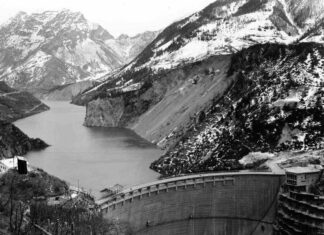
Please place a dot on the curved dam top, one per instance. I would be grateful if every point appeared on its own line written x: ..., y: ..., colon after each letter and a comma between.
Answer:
x: 215, y: 203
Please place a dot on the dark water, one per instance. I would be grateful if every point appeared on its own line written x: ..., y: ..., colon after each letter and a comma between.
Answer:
x: 93, y: 157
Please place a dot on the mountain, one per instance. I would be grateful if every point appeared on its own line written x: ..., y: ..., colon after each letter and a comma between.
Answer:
x: 68, y: 91
x: 225, y: 27
x: 305, y: 13
x: 238, y: 77
x: 16, y: 104
x: 274, y: 104
x: 129, y: 47
x: 44, y: 50
x: 126, y: 47
x: 222, y: 28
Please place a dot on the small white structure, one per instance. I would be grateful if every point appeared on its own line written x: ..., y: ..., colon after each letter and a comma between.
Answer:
x: 302, y: 177
x: 9, y: 163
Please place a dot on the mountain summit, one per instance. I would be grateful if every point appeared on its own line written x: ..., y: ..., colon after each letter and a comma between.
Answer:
x: 43, y: 50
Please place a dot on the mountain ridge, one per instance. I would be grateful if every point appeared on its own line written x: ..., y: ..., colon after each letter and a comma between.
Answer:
x: 43, y: 50
x: 274, y: 105
x: 141, y: 95
x: 225, y: 27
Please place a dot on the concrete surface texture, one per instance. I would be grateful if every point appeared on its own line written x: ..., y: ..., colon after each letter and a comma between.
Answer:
x: 238, y: 203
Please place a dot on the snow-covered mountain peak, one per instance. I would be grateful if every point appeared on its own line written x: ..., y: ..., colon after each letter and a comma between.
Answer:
x: 69, y: 48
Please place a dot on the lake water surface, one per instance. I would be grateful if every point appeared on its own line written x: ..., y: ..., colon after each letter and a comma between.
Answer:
x: 94, y: 158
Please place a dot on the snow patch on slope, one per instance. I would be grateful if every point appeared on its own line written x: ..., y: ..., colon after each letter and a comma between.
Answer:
x: 226, y: 33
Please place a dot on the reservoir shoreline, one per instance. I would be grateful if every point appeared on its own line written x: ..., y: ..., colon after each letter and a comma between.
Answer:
x: 94, y: 158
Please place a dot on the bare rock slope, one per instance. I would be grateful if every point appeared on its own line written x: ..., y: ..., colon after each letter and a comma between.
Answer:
x: 275, y: 104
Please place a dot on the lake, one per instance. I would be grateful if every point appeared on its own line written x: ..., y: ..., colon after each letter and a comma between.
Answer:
x: 93, y: 158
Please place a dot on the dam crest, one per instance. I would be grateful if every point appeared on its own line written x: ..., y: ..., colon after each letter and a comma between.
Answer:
x: 214, y: 203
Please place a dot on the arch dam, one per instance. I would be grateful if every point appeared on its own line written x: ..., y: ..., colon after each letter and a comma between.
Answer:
x: 216, y: 203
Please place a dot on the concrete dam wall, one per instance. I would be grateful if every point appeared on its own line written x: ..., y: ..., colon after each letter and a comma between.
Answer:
x: 229, y: 203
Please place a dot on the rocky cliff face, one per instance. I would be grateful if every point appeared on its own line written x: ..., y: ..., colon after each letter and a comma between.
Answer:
x: 164, y: 102
x: 105, y: 112
x: 15, y: 104
x: 13, y: 142
x: 45, y: 50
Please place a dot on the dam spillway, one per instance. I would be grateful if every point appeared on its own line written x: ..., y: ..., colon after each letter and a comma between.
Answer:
x: 217, y: 203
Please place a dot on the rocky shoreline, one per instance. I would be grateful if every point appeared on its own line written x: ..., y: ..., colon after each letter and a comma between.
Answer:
x: 13, y: 142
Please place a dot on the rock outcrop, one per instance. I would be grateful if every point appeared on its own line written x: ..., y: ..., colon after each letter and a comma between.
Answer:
x: 105, y: 112
x: 13, y: 142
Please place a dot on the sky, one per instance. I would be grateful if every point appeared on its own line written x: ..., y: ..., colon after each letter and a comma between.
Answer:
x: 117, y: 16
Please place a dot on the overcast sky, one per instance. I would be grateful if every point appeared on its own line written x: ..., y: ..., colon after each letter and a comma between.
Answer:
x: 117, y: 16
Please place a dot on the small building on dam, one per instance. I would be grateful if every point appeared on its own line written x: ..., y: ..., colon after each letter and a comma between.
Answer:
x: 215, y: 203
x: 300, y: 208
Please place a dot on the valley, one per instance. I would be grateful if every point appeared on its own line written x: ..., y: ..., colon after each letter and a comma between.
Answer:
x: 173, y: 130
x: 92, y: 158
x: 208, y: 100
